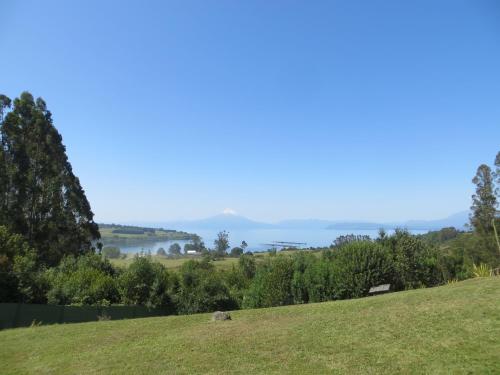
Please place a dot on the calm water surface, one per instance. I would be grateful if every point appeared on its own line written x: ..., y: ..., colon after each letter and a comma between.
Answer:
x: 258, y: 238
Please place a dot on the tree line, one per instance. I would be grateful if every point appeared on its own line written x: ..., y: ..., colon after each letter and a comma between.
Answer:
x: 345, y: 271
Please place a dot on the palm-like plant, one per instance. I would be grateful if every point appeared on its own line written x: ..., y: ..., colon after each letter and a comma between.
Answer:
x: 483, y: 270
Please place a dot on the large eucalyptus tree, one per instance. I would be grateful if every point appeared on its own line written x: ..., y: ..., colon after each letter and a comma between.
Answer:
x: 40, y: 197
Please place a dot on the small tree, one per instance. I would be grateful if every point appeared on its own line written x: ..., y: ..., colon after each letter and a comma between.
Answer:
x: 496, y: 222
x: 175, y: 249
x: 246, y: 264
x: 497, y: 175
x: 197, y: 245
x: 221, y: 244
x: 146, y: 283
x: 161, y: 252
x: 484, y: 202
x: 244, y: 245
x: 236, y: 251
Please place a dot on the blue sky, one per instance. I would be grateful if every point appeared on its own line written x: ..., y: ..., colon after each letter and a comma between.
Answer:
x: 373, y: 110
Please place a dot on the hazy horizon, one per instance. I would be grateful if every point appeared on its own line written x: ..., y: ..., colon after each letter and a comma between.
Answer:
x: 374, y: 111
x: 239, y: 215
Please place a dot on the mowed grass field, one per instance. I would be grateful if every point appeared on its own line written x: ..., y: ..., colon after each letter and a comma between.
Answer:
x: 453, y: 329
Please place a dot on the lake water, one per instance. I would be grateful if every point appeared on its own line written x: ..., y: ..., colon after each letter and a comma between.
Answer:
x: 258, y: 238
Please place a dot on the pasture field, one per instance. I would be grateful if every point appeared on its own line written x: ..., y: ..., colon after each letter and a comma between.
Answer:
x: 115, y: 235
x: 175, y: 263
x: 452, y: 329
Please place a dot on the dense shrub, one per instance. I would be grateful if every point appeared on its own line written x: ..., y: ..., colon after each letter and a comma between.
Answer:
x: 272, y: 284
x: 415, y: 262
x: 441, y: 236
x: 201, y: 288
x: 111, y: 252
x: 86, y: 280
x: 236, y: 251
x: 146, y: 283
x: 31, y: 284
x: 301, y: 262
x: 239, y: 278
x: 236, y: 283
x: 345, y: 239
x: 318, y: 279
x: 246, y: 263
x: 20, y: 276
x: 357, y: 266
x: 478, y: 249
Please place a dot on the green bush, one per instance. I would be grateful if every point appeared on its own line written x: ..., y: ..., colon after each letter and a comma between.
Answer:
x: 20, y: 277
x: 357, y: 266
x: 318, y: 280
x: 475, y: 248
x: 301, y: 262
x: 236, y: 252
x: 31, y: 284
x: 416, y: 263
x: 272, y: 284
x: 86, y: 280
x: 201, y: 288
x: 146, y: 283
x: 111, y: 252
x: 246, y: 263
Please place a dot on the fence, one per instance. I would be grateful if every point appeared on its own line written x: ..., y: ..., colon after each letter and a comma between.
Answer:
x: 14, y: 315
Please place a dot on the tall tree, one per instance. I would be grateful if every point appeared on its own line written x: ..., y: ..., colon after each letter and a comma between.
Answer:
x: 5, y: 103
x: 484, y: 202
x: 41, y: 197
x: 496, y: 223
x: 497, y: 176
x: 221, y: 244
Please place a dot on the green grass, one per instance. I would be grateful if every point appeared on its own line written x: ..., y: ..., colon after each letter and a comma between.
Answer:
x: 453, y: 329
x: 159, y: 234
x: 174, y: 264
x: 108, y: 238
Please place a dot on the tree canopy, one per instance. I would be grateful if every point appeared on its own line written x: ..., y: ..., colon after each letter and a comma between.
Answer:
x: 40, y: 197
x: 484, y: 202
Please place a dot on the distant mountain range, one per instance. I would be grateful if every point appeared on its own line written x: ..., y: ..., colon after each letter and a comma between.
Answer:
x: 231, y: 221
x: 221, y: 222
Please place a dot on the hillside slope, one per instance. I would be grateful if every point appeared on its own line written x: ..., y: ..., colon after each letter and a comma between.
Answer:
x: 450, y: 329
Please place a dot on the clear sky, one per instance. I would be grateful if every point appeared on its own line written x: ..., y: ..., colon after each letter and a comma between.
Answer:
x: 373, y: 110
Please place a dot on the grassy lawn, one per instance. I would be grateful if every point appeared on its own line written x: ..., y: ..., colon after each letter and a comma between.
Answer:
x: 453, y: 329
